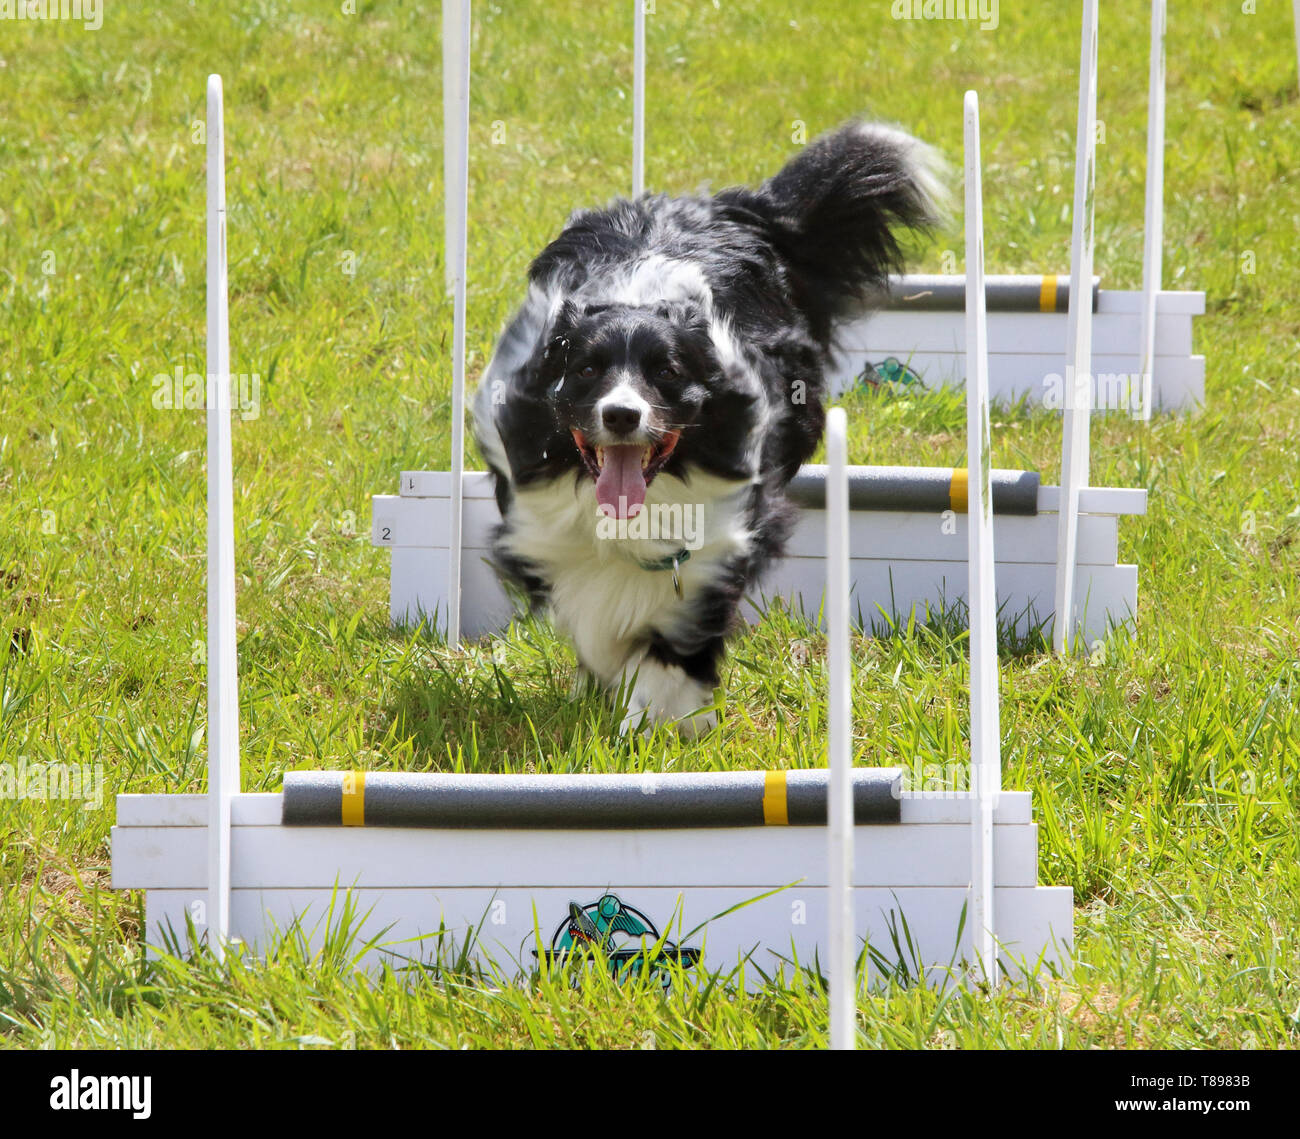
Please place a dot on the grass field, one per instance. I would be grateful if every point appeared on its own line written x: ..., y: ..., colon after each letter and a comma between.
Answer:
x: 1163, y: 765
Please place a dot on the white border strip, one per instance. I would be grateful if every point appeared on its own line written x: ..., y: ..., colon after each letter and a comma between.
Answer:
x: 1295, y: 4
x: 1078, y: 367
x: 453, y: 15
x: 1153, y: 249
x: 842, y: 966
x: 638, y: 97
x: 458, y: 199
x: 223, y: 682
x: 986, y: 763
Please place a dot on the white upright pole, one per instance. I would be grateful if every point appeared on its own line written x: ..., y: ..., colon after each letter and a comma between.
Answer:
x: 458, y: 209
x: 223, y: 683
x: 1078, y: 358
x: 1295, y: 6
x: 986, y: 760
x: 454, y: 17
x: 638, y: 97
x: 1155, y: 211
x: 840, y: 820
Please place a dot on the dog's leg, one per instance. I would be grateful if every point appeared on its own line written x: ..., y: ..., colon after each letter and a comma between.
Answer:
x: 584, y: 683
x: 664, y: 685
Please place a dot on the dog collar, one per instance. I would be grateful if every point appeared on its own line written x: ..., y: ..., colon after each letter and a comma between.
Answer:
x: 671, y: 562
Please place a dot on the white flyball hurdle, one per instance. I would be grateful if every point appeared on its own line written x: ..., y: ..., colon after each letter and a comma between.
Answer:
x: 1027, y: 357
x: 905, y: 563
x: 700, y: 872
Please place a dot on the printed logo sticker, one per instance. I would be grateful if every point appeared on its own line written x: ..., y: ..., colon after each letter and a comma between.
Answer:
x: 624, y: 934
x: 889, y: 371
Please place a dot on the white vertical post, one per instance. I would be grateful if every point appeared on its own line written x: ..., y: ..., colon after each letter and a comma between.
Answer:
x: 1078, y: 356
x: 1295, y: 5
x: 458, y: 211
x: 223, y: 682
x: 986, y: 760
x: 638, y: 97
x: 1155, y: 212
x: 453, y: 18
x: 842, y: 965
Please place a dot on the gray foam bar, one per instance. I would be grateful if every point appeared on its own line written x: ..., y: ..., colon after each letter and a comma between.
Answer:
x: 920, y: 292
x: 516, y: 802
x: 913, y: 488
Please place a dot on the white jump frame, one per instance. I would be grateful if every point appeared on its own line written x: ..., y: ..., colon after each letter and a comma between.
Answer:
x: 986, y: 764
x: 1153, y: 230
x: 946, y: 852
x: 1078, y: 352
x: 223, y: 683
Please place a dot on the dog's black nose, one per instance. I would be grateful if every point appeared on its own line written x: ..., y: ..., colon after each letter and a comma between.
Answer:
x: 621, y: 420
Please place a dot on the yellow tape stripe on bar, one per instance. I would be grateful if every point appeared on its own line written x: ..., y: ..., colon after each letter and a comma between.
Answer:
x: 1047, y: 294
x: 354, y: 799
x: 958, y: 491
x: 775, y: 813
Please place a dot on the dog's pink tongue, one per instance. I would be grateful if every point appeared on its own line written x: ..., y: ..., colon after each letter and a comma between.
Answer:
x: 620, y: 490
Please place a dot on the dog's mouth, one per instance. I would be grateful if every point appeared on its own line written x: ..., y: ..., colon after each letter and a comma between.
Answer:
x: 622, y: 471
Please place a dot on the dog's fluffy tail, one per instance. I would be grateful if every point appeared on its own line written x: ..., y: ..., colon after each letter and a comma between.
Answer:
x: 840, y: 207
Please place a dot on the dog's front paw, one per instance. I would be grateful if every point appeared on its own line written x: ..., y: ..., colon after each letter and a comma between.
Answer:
x: 698, y: 723
x: 636, y: 721
x: 664, y: 694
x: 584, y: 683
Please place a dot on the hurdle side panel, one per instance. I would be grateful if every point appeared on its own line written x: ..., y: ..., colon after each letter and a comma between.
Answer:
x: 922, y: 854
x: 897, y: 589
x: 927, y: 564
x: 899, y: 536
x: 1178, y: 381
x: 1096, y: 500
x: 417, y: 583
x: 406, y: 520
x: 1178, y: 385
x: 1105, y: 593
x: 1026, y: 347
x: 882, y: 534
x: 1012, y: 333
x: 437, y: 484
x: 767, y: 932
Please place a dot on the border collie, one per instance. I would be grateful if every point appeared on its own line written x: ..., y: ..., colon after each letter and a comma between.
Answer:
x: 662, y: 382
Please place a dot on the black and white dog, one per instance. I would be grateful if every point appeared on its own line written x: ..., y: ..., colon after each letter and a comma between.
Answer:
x: 661, y: 384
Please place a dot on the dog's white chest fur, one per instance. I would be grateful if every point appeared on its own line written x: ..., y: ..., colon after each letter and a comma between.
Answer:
x: 602, y: 595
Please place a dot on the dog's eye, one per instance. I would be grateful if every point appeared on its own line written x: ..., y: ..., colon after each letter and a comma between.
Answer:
x: 667, y: 372
x: 588, y: 373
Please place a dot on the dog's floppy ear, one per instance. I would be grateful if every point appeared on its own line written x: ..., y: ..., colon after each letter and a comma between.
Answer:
x: 552, y: 353
x: 565, y: 321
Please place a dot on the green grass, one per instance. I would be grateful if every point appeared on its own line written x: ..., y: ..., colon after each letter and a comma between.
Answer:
x: 1163, y: 766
